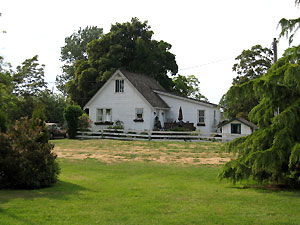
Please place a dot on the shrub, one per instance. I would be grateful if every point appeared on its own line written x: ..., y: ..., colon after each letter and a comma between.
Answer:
x: 26, y: 159
x: 118, y: 125
x: 84, y: 122
x: 71, y: 115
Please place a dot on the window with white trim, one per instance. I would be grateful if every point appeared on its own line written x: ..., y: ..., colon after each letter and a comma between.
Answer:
x: 108, y: 115
x: 236, y: 128
x: 104, y: 115
x: 139, y: 115
x: 99, y: 115
x: 119, y: 87
x: 201, y: 118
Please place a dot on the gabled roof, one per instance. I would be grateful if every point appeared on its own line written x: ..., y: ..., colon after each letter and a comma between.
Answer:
x: 242, y: 120
x: 149, y: 88
x: 146, y: 85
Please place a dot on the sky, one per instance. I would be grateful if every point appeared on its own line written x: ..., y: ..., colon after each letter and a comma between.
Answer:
x: 206, y: 36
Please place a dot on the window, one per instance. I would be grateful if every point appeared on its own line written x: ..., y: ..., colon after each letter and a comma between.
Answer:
x: 108, y: 115
x: 101, y: 117
x: 236, y: 128
x: 201, y: 118
x: 119, y: 86
x: 138, y: 115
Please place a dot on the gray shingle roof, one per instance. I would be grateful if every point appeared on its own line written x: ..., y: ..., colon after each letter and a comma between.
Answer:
x: 242, y: 120
x: 146, y: 86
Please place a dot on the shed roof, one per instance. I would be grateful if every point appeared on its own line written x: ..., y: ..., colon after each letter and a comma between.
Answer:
x: 242, y: 120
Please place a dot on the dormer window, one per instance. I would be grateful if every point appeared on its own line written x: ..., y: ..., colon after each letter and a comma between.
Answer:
x: 119, y: 86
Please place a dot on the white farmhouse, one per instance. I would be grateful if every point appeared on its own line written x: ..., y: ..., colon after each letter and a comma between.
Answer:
x: 137, y: 100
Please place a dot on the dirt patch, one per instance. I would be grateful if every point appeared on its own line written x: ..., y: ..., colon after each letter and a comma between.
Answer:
x: 117, y: 151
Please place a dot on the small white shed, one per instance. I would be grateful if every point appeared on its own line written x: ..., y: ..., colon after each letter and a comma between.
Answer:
x: 237, y: 126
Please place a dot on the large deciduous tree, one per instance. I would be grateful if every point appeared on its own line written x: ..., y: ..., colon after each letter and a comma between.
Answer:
x: 29, y: 83
x: 128, y: 45
x: 29, y: 78
x: 251, y: 64
x: 188, y: 86
x: 272, y: 153
x: 75, y: 49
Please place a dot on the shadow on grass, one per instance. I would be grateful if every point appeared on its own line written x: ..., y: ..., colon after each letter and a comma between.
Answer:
x: 60, y: 191
x: 271, y: 188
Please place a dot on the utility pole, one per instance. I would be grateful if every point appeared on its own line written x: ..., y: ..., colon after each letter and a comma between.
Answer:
x: 274, y: 44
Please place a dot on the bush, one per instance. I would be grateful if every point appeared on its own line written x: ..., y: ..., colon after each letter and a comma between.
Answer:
x: 118, y: 125
x: 84, y: 122
x: 71, y: 115
x: 26, y: 161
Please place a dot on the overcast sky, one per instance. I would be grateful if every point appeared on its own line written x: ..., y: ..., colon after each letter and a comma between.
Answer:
x: 206, y: 36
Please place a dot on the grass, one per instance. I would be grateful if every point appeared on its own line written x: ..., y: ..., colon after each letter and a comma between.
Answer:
x: 93, y: 192
x: 118, y: 151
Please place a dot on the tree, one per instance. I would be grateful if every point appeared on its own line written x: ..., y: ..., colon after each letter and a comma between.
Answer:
x: 129, y: 46
x: 188, y: 86
x: 272, y: 153
x: 29, y: 78
x: 252, y: 63
x: 71, y: 115
x: 240, y: 98
x: 289, y: 27
x: 54, y: 106
x: 28, y: 85
x: 75, y: 49
x: 7, y: 98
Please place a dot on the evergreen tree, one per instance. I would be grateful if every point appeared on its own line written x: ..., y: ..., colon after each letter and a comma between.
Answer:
x: 272, y: 153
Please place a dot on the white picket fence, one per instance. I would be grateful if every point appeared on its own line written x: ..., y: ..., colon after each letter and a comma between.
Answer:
x: 156, y: 135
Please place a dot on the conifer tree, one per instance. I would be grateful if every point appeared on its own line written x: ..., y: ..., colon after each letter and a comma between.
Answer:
x: 272, y: 153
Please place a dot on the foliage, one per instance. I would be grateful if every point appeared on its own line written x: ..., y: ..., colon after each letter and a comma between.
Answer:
x: 71, y: 115
x: 272, y: 153
x: 22, y: 90
x: 179, y: 129
x: 7, y: 98
x: 252, y: 63
x: 240, y: 98
x: 84, y: 122
x: 39, y: 119
x: 129, y: 46
x: 28, y: 86
x: 54, y: 106
x: 119, y: 125
x: 188, y: 86
x: 3, y: 122
x: 75, y: 49
x: 29, y: 78
x: 25, y: 160
x: 289, y: 27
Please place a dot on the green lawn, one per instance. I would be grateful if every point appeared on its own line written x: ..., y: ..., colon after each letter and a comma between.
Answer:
x: 94, y: 192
